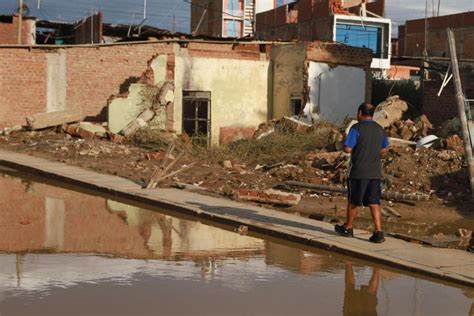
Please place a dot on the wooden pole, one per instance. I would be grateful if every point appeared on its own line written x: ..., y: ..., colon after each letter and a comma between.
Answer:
x: 461, y: 106
x: 20, y: 20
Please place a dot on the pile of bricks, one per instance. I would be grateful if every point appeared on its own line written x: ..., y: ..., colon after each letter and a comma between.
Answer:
x: 410, y: 130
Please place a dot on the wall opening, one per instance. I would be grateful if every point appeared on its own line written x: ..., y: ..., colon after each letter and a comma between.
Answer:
x: 296, y: 105
x: 197, y: 116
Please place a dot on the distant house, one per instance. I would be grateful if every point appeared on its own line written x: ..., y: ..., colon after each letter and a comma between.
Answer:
x: 9, y: 30
x: 412, y: 36
x: 228, y: 18
x: 357, y: 23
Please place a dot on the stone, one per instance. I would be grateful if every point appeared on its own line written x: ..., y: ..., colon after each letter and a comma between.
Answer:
x: 227, y: 164
x: 97, y: 129
x: 154, y: 156
x: 390, y: 111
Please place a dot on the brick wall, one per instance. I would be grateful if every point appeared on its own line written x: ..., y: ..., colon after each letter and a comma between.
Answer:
x: 412, y: 38
x: 22, y: 84
x: 9, y: 30
x: 442, y: 108
x: 94, y: 74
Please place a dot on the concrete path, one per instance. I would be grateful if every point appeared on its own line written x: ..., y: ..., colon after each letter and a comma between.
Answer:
x: 447, y: 264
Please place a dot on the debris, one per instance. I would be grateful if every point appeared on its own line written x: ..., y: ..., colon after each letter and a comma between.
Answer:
x: 140, y: 122
x: 390, y: 212
x: 390, y: 111
x: 85, y: 130
x: 268, y: 196
x: 292, y: 125
x: 161, y: 173
x: 227, y: 164
x: 116, y: 138
x: 464, y: 233
x: 456, y: 143
x: 397, y: 142
x: 242, y: 230
x: 44, y: 120
x: 154, y: 156
x: 396, y: 196
x: 427, y: 141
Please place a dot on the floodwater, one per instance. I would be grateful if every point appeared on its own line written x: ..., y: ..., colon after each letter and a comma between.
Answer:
x: 67, y: 253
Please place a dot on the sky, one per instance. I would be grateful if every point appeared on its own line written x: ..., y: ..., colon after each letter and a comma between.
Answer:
x: 175, y: 14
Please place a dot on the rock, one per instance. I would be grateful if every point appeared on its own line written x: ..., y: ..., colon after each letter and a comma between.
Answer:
x: 445, y: 155
x: 316, y: 216
x: 389, y: 111
x: 455, y: 142
x: 154, y: 156
x: 227, y: 164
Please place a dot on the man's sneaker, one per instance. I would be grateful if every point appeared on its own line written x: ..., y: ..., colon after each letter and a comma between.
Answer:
x: 377, y: 237
x: 343, y: 231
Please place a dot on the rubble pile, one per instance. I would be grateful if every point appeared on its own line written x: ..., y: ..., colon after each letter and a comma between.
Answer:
x: 410, y: 130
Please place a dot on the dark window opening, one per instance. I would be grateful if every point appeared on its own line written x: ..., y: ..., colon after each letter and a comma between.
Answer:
x: 296, y: 106
x: 197, y: 116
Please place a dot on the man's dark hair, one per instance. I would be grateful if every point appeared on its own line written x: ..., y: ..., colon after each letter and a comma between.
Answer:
x: 366, y: 109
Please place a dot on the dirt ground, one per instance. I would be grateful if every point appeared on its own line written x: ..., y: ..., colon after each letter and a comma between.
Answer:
x: 268, y: 163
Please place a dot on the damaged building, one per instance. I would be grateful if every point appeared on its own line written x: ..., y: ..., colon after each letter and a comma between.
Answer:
x: 358, y: 23
x: 229, y: 18
x: 220, y: 91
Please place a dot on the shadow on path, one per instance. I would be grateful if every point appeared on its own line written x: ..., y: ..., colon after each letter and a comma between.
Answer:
x: 253, y: 215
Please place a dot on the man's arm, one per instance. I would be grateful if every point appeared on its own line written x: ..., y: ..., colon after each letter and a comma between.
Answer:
x: 351, y: 140
x: 385, y: 145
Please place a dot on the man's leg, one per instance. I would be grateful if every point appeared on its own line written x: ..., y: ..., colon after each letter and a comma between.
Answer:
x: 351, y: 215
x: 376, y: 216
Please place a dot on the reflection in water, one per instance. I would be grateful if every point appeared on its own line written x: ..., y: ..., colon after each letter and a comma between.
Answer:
x: 61, y: 248
x: 361, y: 301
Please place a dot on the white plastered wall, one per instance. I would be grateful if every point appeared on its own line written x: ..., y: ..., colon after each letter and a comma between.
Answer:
x: 239, y: 90
x: 335, y: 92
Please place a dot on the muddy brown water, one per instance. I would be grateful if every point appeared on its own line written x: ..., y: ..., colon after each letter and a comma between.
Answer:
x: 68, y: 253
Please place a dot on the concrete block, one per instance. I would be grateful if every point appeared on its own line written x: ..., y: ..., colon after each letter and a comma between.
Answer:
x: 123, y: 111
x: 96, y: 129
x: 45, y: 120
x: 159, y: 66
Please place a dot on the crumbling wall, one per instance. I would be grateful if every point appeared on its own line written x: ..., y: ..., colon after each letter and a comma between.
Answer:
x: 288, y: 76
x: 238, y: 87
x: 92, y: 75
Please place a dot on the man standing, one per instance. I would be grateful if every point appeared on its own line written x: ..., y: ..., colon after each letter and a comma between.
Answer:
x: 366, y: 142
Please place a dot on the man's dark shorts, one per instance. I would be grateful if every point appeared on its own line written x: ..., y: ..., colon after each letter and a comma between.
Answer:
x: 364, y: 191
